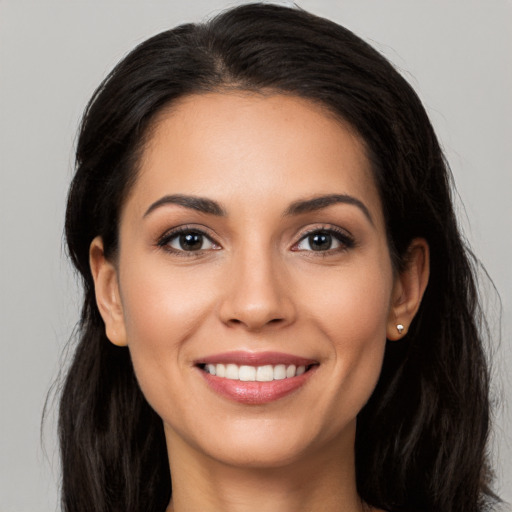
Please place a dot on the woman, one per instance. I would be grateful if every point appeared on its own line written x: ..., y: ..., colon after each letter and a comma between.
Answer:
x: 279, y: 311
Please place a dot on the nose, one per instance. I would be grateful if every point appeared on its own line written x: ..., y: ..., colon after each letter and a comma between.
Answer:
x: 258, y: 293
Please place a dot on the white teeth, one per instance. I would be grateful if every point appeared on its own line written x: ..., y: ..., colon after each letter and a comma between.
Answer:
x: 220, y: 370
x: 247, y: 373
x: 232, y: 372
x: 265, y: 373
x: 279, y: 372
x: 290, y: 371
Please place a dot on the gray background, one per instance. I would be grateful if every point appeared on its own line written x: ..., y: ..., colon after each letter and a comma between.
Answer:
x: 457, y: 55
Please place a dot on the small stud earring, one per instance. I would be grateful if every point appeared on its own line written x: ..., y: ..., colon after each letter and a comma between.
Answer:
x: 400, y: 328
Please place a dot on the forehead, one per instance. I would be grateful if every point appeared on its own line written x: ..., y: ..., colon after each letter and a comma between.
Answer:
x: 249, y: 149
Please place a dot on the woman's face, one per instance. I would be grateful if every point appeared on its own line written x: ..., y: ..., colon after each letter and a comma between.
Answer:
x: 253, y: 246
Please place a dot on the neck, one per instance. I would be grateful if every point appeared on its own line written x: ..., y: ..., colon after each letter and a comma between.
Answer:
x: 319, y: 481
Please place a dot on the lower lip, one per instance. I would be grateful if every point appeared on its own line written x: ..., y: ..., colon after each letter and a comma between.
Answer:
x: 256, y: 393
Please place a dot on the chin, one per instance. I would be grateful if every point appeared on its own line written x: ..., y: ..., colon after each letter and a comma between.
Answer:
x: 258, y: 454
x: 266, y: 444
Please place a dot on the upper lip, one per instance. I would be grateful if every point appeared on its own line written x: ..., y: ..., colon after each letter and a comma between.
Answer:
x: 255, y: 359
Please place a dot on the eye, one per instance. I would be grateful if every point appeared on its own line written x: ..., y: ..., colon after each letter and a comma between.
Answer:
x: 187, y: 240
x: 322, y: 240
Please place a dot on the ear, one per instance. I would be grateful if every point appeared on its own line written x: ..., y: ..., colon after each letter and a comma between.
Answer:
x: 408, y: 289
x: 108, y: 298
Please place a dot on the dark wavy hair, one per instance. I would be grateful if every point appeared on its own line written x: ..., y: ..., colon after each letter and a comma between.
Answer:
x: 421, y: 438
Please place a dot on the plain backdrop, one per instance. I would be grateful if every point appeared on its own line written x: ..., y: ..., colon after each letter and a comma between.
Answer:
x: 457, y: 54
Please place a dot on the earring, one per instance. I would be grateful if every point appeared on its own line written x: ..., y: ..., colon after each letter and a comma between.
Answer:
x: 400, y: 328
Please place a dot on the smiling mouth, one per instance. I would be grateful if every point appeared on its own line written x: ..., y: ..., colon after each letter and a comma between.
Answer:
x: 247, y: 373
x: 255, y: 378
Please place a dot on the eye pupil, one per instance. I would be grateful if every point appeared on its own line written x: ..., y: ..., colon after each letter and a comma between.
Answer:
x: 320, y: 241
x: 191, y: 241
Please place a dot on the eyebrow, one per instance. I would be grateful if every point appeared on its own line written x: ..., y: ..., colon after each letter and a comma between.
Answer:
x: 320, y: 202
x: 208, y: 206
x: 201, y: 204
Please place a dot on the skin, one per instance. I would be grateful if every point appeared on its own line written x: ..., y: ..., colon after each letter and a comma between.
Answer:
x: 256, y: 285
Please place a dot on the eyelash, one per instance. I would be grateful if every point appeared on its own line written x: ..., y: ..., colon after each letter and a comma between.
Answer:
x: 346, y: 240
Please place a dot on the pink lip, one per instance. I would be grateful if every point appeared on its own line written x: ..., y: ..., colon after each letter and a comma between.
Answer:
x: 255, y: 359
x: 256, y: 393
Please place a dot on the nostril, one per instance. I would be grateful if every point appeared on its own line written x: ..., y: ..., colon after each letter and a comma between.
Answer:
x: 273, y: 321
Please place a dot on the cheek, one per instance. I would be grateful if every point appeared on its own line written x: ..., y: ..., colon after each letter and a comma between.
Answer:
x: 162, y: 312
x: 352, y: 303
x: 352, y: 313
x: 161, y: 303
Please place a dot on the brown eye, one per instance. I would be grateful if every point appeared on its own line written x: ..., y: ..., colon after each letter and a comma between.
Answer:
x: 189, y: 241
x: 324, y: 240
x: 320, y: 241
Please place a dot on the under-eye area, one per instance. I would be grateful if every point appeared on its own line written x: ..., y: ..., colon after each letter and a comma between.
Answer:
x: 264, y: 373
